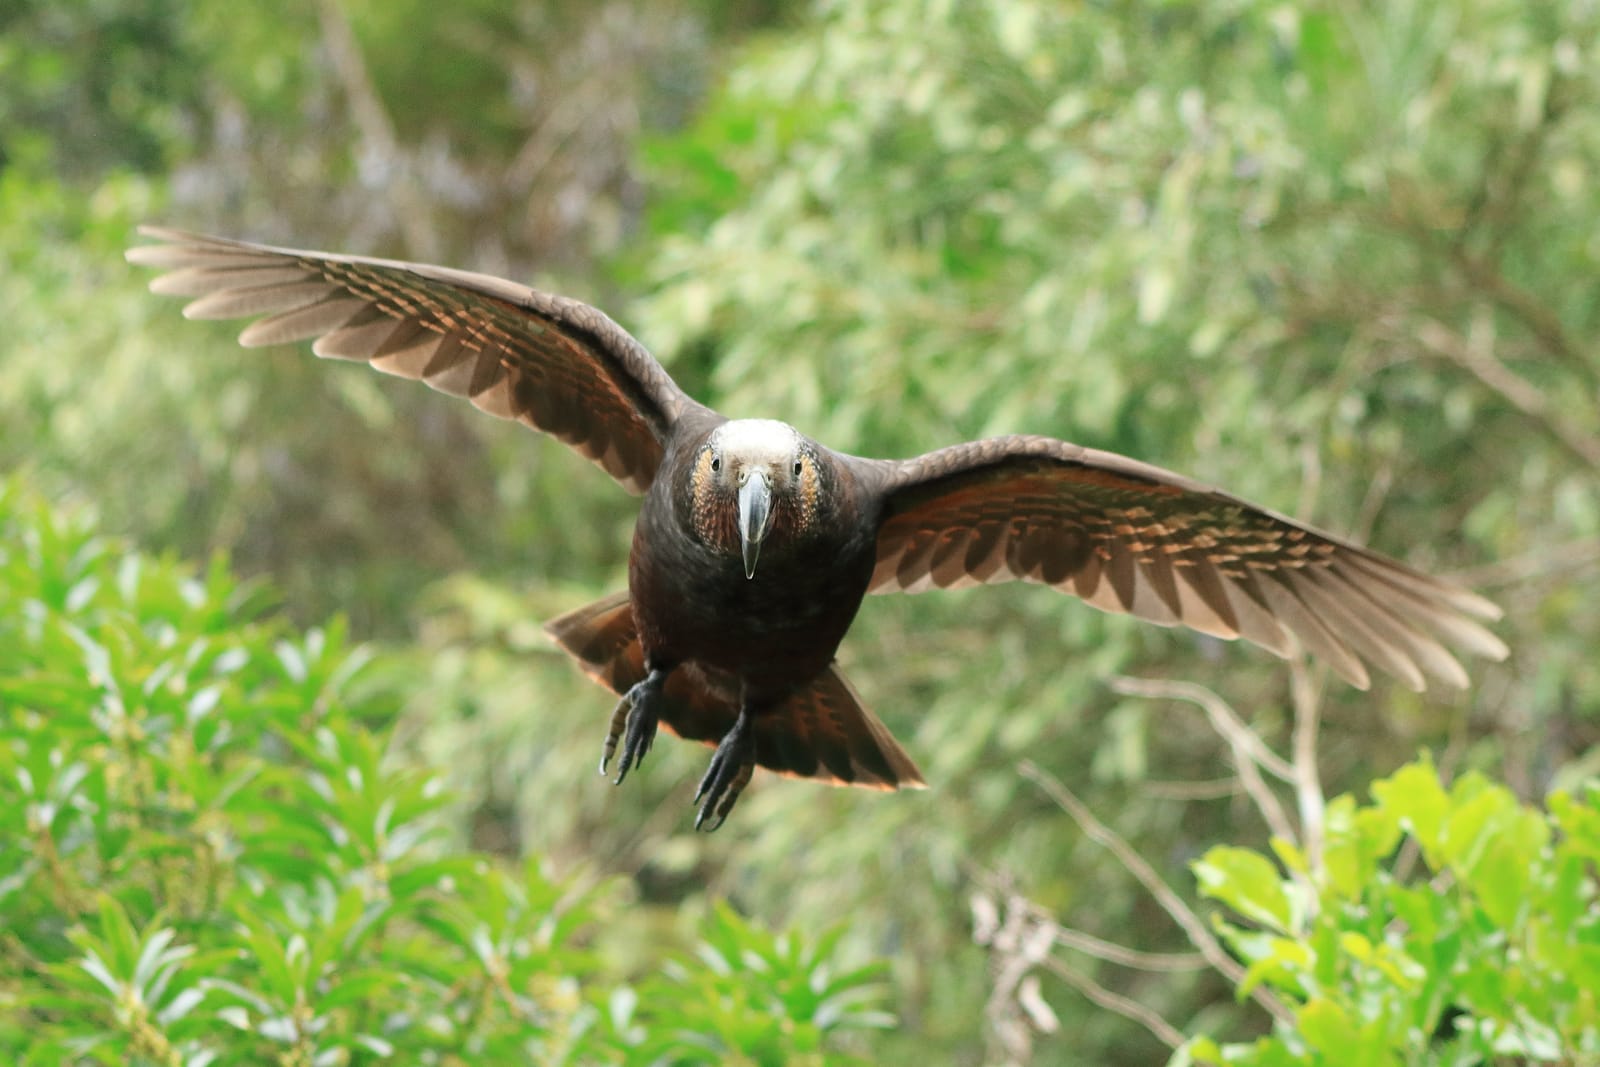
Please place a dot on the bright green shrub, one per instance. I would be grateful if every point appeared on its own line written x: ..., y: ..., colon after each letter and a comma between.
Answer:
x: 1447, y: 926
x: 206, y: 858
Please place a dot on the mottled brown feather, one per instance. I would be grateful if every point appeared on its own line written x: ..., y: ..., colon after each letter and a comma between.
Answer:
x: 1130, y: 537
x: 555, y: 364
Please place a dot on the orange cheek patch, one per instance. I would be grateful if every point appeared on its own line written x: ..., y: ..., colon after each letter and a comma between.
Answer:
x: 714, y: 524
x: 808, y: 490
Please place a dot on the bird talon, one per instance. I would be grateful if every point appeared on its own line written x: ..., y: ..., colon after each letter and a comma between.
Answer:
x: 731, y: 768
x: 634, y: 721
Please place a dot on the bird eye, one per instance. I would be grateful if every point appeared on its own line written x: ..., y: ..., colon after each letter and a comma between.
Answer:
x: 798, y: 467
x: 716, y: 463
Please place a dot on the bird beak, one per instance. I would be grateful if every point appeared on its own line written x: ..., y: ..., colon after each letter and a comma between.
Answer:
x: 755, y: 517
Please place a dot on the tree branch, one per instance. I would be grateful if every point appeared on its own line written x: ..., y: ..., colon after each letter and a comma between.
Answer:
x: 1158, y: 889
x: 1223, y: 717
x: 1516, y: 391
x: 378, y: 139
x: 1208, y: 789
x: 1126, y: 1007
x: 1543, y: 323
x: 1242, y: 741
x: 1305, y: 687
x: 1557, y: 560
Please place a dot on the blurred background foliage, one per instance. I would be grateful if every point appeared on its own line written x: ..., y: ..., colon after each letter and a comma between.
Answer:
x: 1340, y: 258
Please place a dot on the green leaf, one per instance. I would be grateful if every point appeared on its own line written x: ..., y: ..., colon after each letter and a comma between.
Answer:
x: 1247, y: 882
x: 1414, y: 797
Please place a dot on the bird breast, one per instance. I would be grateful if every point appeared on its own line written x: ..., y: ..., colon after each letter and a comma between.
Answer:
x: 693, y: 601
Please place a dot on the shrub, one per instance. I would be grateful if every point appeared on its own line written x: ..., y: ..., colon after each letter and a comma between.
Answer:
x: 206, y: 858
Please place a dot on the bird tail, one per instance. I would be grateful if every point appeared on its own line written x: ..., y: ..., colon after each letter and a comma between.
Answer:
x: 820, y: 731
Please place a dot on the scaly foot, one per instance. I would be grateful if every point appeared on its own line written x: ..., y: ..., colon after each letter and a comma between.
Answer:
x: 730, y: 771
x: 638, y: 712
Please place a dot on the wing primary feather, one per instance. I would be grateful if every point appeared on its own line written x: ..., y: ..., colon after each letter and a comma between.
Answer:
x: 258, y: 300
x: 1120, y: 571
x: 1257, y: 624
x: 1433, y: 657
x: 1426, y: 608
x: 406, y: 337
x: 1322, y: 642
x: 1086, y: 581
x: 451, y: 368
x: 1156, y: 563
x: 1377, y: 643
x: 610, y: 397
x: 1421, y: 587
x: 303, y: 323
x: 359, y: 342
x: 914, y: 563
x: 411, y: 360
x: 1197, y: 614
x: 202, y: 281
x: 187, y: 256
x: 1200, y: 575
x: 948, y: 564
x: 986, y: 552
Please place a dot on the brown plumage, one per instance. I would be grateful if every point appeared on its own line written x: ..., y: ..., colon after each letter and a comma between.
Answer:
x: 755, y: 544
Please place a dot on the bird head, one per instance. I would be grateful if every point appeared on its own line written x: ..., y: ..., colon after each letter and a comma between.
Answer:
x: 753, y: 479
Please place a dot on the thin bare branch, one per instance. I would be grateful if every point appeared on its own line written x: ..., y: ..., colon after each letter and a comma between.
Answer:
x: 1265, y: 800
x: 1545, y: 562
x: 1130, y: 1009
x: 553, y: 132
x: 378, y: 139
x: 1310, y: 476
x: 1017, y: 946
x: 1122, y: 956
x: 987, y: 925
x: 1206, y: 789
x: 1098, y: 947
x: 1305, y: 687
x: 1544, y: 324
x: 1477, y: 357
x: 1379, y: 483
x: 1223, y: 718
x: 1159, y: 890
x: 1239, y: 741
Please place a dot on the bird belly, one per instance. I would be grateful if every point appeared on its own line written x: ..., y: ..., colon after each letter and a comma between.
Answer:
x: 773, y: 632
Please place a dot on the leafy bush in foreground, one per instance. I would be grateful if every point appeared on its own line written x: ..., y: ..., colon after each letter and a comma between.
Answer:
x: 205, y: 858
x: 1448, y: 926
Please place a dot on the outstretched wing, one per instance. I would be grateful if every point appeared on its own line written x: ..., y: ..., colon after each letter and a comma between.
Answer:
x: 1129, y: 537
x: 551, y: 363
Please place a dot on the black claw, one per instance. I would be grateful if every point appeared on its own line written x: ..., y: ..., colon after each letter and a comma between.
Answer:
x: 634, y: 721
x: 731, y: 767
x: 619, y: 716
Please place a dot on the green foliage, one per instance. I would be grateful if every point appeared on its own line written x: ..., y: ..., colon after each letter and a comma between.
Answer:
x: 89, y: 86
x: 206, y: 857
x: 408, y: 128
x: 1488, y: 949
x: 1338, y: 258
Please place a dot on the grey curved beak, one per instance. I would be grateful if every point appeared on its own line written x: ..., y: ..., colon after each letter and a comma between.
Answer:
x: 755, y: 517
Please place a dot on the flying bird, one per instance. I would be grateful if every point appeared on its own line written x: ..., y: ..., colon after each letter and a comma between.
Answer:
x: 755, y: 544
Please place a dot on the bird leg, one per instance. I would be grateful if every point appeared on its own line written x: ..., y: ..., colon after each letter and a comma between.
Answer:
x: 731, y: 767
x: 637, y: 711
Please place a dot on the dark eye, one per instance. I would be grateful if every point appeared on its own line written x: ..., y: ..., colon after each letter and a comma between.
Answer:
x: 716, y: 463
x: 798, y: 466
